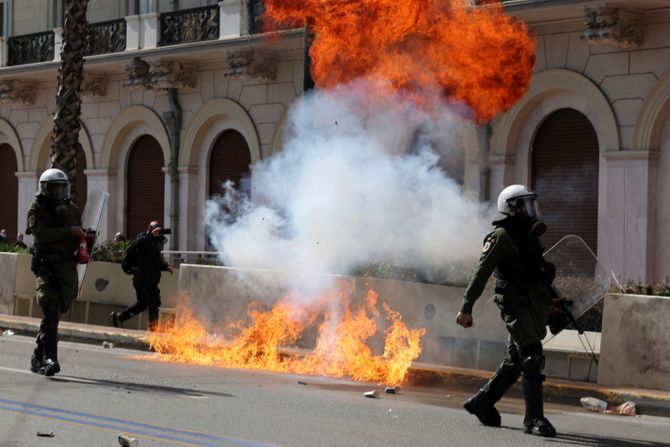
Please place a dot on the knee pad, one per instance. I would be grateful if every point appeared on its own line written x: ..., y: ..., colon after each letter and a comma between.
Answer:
x: 532, y: 367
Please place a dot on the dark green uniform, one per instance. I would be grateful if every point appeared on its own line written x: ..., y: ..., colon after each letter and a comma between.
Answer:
x: 522, y: 292
x: 55, y: 268
x: 514, y: 254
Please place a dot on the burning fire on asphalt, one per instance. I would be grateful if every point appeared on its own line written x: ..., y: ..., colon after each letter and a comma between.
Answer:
x: 341, y: 347
x: 357, y: 183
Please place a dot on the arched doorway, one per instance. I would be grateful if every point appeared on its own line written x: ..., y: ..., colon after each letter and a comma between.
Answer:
x: 564, y: 174
x: 145, y: 185
x: 229, y: 160
x: 9, y: 191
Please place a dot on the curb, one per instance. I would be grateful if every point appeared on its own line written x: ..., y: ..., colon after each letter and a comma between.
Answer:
x: 648, y: 402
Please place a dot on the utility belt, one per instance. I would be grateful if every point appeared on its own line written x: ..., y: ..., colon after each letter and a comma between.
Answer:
x: 510, y: 295
x: 45, y: 265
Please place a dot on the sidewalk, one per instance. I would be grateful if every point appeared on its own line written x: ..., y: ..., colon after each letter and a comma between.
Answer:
x: 648, y: 402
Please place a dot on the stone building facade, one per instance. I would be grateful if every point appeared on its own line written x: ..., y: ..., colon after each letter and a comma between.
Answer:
x: 168, y: 91
x: 592, y: 134
x: 600, y: 96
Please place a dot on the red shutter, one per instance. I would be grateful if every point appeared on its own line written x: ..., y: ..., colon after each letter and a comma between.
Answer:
x: 229, y: 160
x: 9, y: 191
x: 146, y: 186
x: 565, y: 158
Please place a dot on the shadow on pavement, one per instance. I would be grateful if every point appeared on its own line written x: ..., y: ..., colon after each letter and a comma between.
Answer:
x: 140, y: 387
x: 602, y: 441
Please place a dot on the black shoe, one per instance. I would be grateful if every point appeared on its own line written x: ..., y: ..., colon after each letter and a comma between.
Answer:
x: 540, y: 427
x: 114, y: 319
x: 36, y: 364
x: 485, y: 411
x: 50, y: 368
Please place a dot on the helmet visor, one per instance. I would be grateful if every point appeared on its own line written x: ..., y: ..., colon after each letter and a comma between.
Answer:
x: 57, y: 190
x: 528, y: 206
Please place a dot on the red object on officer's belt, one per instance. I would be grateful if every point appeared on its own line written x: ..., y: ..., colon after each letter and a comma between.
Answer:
x: 83, y: 256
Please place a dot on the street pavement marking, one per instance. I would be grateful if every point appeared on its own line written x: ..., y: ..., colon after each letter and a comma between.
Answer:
x: 136, y: 428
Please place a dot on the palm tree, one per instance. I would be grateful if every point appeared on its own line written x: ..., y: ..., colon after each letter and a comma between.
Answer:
x: 65, y: 142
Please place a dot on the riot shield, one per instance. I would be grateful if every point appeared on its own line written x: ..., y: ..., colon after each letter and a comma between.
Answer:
x: 579, y: 276
x: 95, y: 205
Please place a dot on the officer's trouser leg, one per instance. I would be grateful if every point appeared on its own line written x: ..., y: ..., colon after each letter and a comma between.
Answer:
x: 506, y: 375
x: 47, y: 337
x: 534, y: 421
x: 47, y: 340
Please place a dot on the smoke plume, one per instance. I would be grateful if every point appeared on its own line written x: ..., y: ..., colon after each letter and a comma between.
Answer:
x: 356, y: 183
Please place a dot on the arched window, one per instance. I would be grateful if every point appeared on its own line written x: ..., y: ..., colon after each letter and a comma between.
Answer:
x: 565, y: 158
x: 229, y: 160
x: 145, y: 183
x: 9, y: 191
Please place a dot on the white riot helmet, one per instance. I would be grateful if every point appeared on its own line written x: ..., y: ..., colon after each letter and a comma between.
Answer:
x: 517, y: 199
x: 54, y: 185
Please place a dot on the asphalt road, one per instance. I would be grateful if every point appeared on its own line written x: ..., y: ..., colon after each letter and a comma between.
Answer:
x: 103, y: 392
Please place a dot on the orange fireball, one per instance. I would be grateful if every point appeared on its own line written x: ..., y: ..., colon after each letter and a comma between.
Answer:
x: 476, y: 55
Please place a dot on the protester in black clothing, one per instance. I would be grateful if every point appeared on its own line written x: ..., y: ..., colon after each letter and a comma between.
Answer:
x: 146, y: 276
x: 19, y: 241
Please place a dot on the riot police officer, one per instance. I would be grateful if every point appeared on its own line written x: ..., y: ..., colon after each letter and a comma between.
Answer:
x: 523, y: 279
x: 55, y: 224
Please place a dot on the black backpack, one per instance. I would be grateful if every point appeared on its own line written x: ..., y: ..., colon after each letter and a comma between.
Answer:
x: 130, y: 259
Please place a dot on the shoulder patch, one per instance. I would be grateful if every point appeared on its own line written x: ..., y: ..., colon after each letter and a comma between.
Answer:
x: 488, y: 243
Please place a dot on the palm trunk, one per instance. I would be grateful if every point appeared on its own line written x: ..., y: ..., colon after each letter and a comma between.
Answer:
x: 65, y: 143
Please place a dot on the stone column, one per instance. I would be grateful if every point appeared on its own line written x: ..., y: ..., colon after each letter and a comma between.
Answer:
x: 501, y: 174
x: 132, y: 33
x: 232, y: 16
x: 627, y: 215
x: 3, y: 51
x: 190, y: 213
x: 149, y: 30
x: 58, y: 43
x: 27, y: 188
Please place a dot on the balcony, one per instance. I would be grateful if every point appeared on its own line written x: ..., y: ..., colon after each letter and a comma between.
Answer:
x: 190, y: 25
x: 105, y: 37
x: 30, y: 48
x: 229, y: 19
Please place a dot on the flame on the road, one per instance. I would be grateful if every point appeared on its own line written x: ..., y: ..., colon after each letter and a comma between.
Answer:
x: 342, y: 348
x: 480, y: 56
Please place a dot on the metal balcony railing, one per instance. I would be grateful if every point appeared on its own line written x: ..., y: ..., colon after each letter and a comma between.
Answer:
x: 105, y: 37
x: 30, y: 48
x: 189, y: 25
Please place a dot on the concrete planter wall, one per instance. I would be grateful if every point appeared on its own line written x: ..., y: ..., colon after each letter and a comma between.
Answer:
x: 106, y: 288
x: 635, y: 349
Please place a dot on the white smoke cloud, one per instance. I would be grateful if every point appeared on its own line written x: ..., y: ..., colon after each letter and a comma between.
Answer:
x: 356, y: 183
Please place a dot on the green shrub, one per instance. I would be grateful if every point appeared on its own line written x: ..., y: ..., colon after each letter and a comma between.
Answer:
x: 638, y: 288
x: 110, y: 251
x: 11, y: 248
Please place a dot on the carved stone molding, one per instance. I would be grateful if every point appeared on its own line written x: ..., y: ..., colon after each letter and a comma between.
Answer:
x: 137, y: 74
x: 606, y: 25
x: 252, y: 64
x: 171, y: 74
x: 17, y: 91
x: 94, y: 85
x: 159, y: 75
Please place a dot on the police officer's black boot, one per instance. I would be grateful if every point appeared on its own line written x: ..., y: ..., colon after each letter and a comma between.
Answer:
x: 114, y: 319
x: 482, y: 403
x: 50, y: 368
x: 36, y: 362
x: 534, y: 421
x: 482, y: 406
